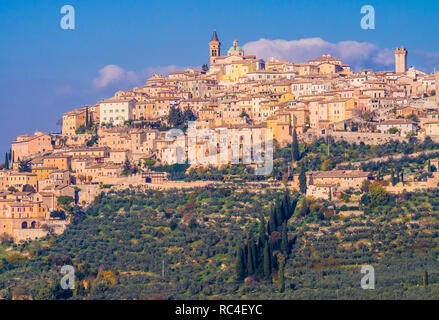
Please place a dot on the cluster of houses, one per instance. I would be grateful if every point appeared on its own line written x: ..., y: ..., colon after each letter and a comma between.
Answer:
x: 239, y: 90
x: 249, y: 97
x: 41, y: 168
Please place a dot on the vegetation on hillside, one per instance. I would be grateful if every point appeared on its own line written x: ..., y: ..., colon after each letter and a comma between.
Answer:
x: 185, y: 244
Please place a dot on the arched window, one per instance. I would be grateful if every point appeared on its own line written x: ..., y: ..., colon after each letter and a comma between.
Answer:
x: 24, y: 225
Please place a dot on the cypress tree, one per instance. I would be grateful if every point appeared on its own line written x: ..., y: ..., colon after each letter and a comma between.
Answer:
x: 287, y: 205
x: 302, y: 180
x: 127, y: 166
x: 284, y: 243
x: 269, y: 227
x: 284, y: 209
x: 267, y: 261
x: 262, y: 230
x: 393, y: 178
x: 250, y: 265
x: 295, y: 154
x: 255, y: 260
x: 240, y: 267
x: 244, y: 258
x: 425, y: 278
x: 273, y: 222
x: 279, y: 216
x: 6, y: 161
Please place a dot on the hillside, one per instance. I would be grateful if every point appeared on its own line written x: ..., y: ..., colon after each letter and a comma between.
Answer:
x: 183, y: 244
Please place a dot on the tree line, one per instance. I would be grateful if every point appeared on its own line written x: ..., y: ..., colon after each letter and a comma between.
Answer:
x: 263, y: 255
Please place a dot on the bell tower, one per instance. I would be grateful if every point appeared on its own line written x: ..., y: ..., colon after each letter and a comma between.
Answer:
x: 215, y: 46
x: 400, y: 60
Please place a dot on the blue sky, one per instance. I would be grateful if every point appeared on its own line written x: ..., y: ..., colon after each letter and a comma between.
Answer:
x: 46, y: 71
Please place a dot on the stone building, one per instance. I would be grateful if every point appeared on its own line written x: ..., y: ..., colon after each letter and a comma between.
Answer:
x: 26, y: 220
x: 400, y: 60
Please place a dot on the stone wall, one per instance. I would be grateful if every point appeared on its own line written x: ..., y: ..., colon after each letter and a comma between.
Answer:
x: 351, y: 137
x: 58, y: 227
x: 28, y: 234
x: 88, y: 192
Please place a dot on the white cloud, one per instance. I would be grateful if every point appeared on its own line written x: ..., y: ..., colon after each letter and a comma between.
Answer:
x: 115, y: 77
x: 109, y: 74
x: 358, y: 54
x: 385, y: 57
x: 427, y: 61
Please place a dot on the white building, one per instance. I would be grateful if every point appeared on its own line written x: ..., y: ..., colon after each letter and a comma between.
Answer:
x: 116, y: 110
x: 265, y: 75
x: 404, y: 126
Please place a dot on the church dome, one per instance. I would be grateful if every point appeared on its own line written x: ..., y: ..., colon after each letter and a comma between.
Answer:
x: 237, y: 48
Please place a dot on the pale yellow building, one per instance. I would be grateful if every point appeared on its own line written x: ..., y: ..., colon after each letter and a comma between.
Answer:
x: 340, y: 109
x: 341, y: 179
x: 432, y: 128
x: 19, y: 179
x: 58, y: 161
x: 71, y: 121
x: 43, y: 173
x: 280, y: 126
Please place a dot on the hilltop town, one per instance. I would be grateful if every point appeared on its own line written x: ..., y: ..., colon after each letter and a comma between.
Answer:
x: 125, y: 141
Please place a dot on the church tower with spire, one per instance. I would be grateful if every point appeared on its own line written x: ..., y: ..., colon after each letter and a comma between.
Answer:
x: 215, y: 46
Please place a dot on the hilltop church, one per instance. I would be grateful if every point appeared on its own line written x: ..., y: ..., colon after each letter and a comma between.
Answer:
x: 233, y: 66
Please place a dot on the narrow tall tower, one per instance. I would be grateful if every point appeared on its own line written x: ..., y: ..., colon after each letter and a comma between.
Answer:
x: 400, y: 60
x: 436, y: 79
x: 215, y: 47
